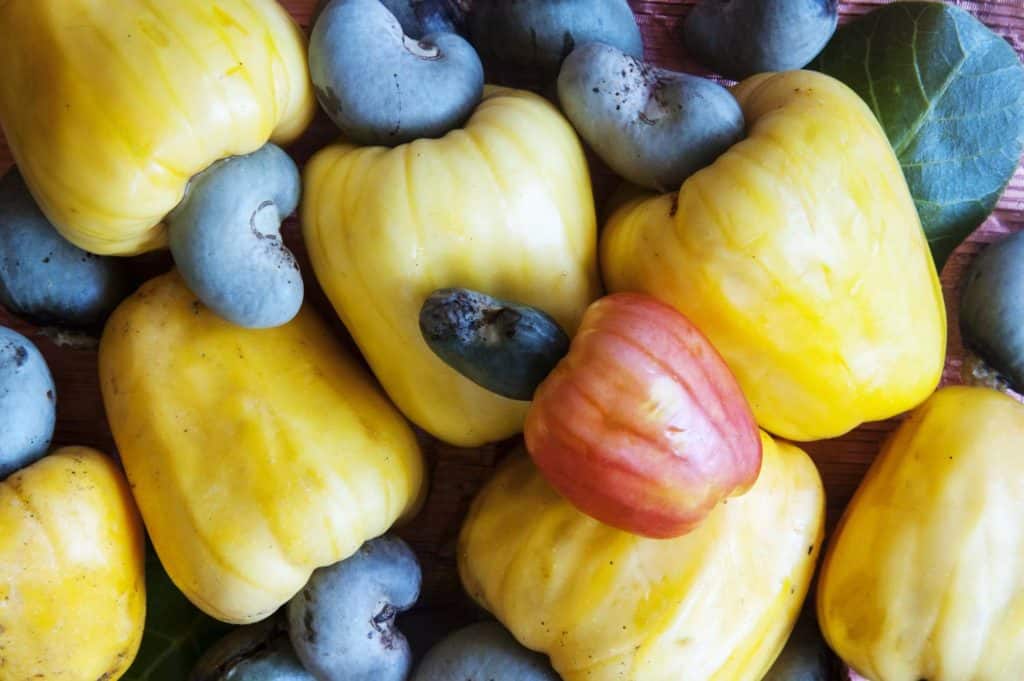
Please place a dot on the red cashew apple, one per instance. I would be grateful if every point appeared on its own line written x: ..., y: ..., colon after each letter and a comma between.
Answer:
x: 642, y: 425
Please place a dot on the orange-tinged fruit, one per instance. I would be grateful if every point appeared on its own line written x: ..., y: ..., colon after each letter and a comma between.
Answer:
x: 642, y: 425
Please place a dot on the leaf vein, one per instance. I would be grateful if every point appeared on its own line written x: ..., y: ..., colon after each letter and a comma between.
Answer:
x: 871, y: 81
x: 917, y: 63
x: 176, y: 643
x: 914, y: 129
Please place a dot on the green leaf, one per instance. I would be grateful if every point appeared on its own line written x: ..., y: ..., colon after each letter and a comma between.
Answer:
x: 176, y: 634
x: 950, y: 95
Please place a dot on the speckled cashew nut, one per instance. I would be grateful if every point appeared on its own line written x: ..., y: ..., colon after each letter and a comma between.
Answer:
x: 226, y: 240
x: 381, y: 86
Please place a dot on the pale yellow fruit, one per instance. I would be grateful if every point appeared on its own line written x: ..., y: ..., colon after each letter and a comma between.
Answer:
x: 72, y: 570
x: 716, y: 604
x: 924, y: 578
x: 110, y: 108
x: 256, y: 456
x: 799, y: 253
x: 503, y: 206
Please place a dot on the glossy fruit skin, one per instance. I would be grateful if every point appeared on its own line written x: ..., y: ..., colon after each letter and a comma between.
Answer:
x: 380, y: 86
x: 28, y: 403
x: 45, y: 279
x: 342, y: 623
x: 257, y: 652
x: 642, y: 426
x: 539, y: 34
x: 256, y: 456
x: 225, y: 236
x: 72, y: 570
x: 504, y: 205
x: 815, y: 281
x: 607, y: 605
x: 741, y: 38
x: 130, y: 115
x: 992, y: 308
x: 504, y: 347
x: 482, y: 652
x: 938, y: 594
x: 652, y: 126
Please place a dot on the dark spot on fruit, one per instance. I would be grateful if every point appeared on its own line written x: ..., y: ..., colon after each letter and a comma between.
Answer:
x: 505, y: 319
x: 252, y: 218
x: 329, y: 99
x: 308, y: 623
x: 20, y: 356
x: 398, y: 118
x: 383, y: 623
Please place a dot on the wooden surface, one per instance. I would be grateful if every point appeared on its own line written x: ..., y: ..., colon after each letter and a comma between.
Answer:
x: 457, y: 474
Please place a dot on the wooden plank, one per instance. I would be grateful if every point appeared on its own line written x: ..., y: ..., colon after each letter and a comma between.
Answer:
x: 457, y: 474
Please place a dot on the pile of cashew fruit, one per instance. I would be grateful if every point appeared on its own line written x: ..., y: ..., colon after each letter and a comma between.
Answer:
x: 760, y: 279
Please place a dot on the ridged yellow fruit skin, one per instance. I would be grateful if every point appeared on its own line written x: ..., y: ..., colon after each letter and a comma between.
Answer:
x: 800, y: 254
x: 110, y: 107
x: 924, y: 577
x: 714, y: 605
x: 255, y: 456
x: 503, y: 206
x: 72, y: 570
